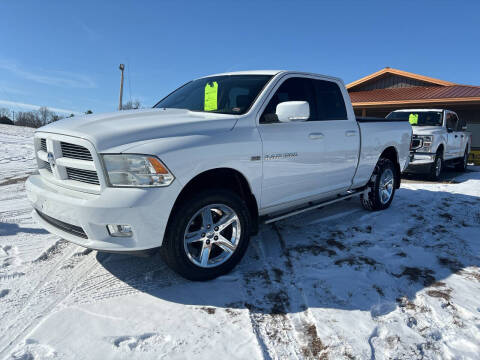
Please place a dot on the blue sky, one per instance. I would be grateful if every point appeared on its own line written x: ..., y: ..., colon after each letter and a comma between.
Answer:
x: 65, y: 54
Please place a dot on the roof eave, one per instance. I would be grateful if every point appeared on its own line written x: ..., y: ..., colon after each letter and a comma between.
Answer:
x: 400, y: 73
x: 416, y: 101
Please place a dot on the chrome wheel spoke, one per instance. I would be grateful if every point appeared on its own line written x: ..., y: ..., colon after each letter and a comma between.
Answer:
x: 194, y: 236
x: 225, y: 245
x: 205, y: 254
x: 226, y: 221
x: 207, y: 218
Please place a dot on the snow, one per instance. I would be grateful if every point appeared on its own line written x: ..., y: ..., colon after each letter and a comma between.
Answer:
x: 334, y: 283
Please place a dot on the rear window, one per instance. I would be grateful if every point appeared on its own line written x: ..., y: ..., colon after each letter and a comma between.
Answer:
x: 330, y: 103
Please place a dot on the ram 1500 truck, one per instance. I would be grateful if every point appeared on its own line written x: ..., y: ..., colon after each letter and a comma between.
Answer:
x: 196, y: 174
x: 439, y: 137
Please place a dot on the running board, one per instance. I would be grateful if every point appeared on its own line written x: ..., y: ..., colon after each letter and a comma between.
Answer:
x: 313, y: 207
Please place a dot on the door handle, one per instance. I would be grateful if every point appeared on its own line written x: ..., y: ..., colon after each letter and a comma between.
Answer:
x: 350, y: 133
x: 316, y: 136
x: 456, y: 136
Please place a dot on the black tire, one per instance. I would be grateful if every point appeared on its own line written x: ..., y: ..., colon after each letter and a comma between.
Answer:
x: 462, y: 165
x: 173, y: 249
x: 373, y: 200
x: 436, y: 167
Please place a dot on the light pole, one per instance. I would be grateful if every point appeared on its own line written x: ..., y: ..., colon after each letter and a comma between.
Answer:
x: 121, y: 67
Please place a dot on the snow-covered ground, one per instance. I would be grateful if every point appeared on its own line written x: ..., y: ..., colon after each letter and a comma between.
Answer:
x: 336, y: 283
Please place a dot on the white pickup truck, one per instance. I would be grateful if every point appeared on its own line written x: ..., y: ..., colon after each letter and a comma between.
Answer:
x: 439, y: 137
x: 196, y: 174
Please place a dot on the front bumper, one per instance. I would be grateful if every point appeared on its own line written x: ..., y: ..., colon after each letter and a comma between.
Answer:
x: 145, y: 210
x: 420, y: 161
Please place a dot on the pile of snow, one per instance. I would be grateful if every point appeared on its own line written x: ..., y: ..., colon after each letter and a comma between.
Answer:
x: 336, y: 283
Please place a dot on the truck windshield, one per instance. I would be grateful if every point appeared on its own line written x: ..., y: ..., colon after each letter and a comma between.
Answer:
x: 418, y: 118
x: 226, y: 94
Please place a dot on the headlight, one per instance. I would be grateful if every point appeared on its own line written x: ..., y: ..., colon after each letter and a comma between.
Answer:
x: 427, y: 140
x: 136, y: 170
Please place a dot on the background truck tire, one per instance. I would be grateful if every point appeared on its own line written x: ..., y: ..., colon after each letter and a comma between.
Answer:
x: 437, y: 167
x: 462, y: 165
x: 185, y: 259
x: 374, y: 201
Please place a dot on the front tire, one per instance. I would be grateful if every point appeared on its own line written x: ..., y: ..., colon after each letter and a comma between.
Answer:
x: 207, y: 235
x: 437, y: 167
x: 381, y: 187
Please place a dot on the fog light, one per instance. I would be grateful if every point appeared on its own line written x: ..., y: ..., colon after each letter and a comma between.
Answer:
x: 120, y: 230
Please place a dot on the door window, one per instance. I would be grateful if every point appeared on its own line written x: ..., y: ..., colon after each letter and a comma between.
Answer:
x: 330, y: 103
x: 292, y: 89
x: 451, y: 122
x: 461, y: 124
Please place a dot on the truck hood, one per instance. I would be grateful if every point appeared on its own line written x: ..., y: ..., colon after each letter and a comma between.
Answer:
x: 117, y: 131
x: 427, y: 130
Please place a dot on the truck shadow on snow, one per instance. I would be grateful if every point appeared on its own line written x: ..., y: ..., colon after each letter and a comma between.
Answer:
x: 7, y: 228
x: 449, y: 176
x: 339, y: 257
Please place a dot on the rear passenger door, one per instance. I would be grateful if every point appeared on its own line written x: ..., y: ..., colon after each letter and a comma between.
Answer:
x: 461, y: 131
x: 342, y: 134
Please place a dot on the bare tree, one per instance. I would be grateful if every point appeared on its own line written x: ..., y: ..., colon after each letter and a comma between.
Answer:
x: 44, y: 115
x: 4, y: 112
x: 5, y: 116
x: 132, y: 105
x: 55, y: 117
x: 28, y: 118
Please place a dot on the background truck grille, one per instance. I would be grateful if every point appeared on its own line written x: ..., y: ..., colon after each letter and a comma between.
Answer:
x: 43, y: 144
x: 86, y: 176
x: 74, y: 151
x: 69, y: 228
x: 416, y: 143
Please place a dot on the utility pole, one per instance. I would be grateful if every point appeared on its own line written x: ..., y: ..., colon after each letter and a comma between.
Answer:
x: 121, y: 67
x: 13, y: 111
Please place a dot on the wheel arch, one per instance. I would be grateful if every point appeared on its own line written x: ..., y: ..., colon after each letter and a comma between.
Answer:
x: 221, y: 178
x: 441, y: 148
x: 391, y: 153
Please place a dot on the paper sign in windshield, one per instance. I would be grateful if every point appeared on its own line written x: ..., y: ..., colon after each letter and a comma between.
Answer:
x: 413, y: 119
x: 211, y: 91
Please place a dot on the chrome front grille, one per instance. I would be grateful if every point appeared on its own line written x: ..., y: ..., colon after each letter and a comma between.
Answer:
x: 46, y: 166
x: 68, y: 161
x: 87, y: 176
x: 74, y: 151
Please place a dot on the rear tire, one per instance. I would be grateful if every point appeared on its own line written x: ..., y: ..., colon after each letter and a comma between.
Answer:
x: 462, y: 166
x: 381, y: 187
x: 437, y: 167
x: 196, y: 232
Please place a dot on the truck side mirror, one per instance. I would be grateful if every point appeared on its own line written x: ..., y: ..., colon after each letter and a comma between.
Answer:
x: 288, y: 111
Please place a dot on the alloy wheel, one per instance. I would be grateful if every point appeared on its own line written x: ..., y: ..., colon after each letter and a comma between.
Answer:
x: 212, y: 235
x: 386, y: 186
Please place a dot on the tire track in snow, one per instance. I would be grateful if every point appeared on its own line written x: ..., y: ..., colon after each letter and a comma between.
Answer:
x: 283, y: 330
x: 56, y: 285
